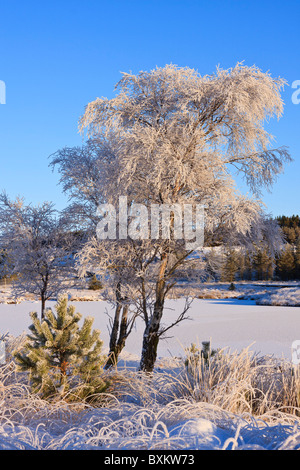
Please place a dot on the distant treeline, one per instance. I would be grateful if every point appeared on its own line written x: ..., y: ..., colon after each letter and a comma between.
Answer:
x: 290, y: 227
x: 260, y: 265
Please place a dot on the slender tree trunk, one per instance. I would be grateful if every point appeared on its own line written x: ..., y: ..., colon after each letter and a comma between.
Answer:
x: 43, y: 307
x: 114, y: 338
x: 123, y: 330
x: 119, y: 343
x: 44, y: 296
x: 119, y: 331
x: 150, y: 340
x: 115, y: 326
x: 151, y: 333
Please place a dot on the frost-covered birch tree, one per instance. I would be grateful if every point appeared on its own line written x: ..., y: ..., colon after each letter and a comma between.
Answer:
x: 39, y: 248
x: 172, y: 136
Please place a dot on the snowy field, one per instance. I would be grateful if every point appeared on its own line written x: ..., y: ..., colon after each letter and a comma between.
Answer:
x: 167, y: 413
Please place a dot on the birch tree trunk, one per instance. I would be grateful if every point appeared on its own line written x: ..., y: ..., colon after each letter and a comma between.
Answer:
x: 120, y: 336
x: 43, y: 298
x: 119, y: 331
x: 151, y: 333
x: 43, y: 307
x: 115, y: 327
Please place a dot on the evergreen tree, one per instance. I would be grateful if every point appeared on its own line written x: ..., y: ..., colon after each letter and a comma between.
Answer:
x: 246, y: 268
x: 61, y: 357
x: 286, y: 264
x: 290, y: 227
x: 263, y: 264
x: 231, y: 266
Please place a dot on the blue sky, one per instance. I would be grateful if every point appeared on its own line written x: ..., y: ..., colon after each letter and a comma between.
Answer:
x: 57, y: 56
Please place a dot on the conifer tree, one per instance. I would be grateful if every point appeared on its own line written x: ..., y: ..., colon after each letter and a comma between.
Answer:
x: 286, y: 263
x: 263, y: 264
x: 230, y: 266
x: 61, y: 357
x: 246, y: 266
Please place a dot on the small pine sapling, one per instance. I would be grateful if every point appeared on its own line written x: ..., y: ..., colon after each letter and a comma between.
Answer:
x: 61, y: 357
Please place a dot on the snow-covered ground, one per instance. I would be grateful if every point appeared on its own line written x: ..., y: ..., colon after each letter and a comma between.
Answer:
x: 183, y: 422
x: 180, y: 425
